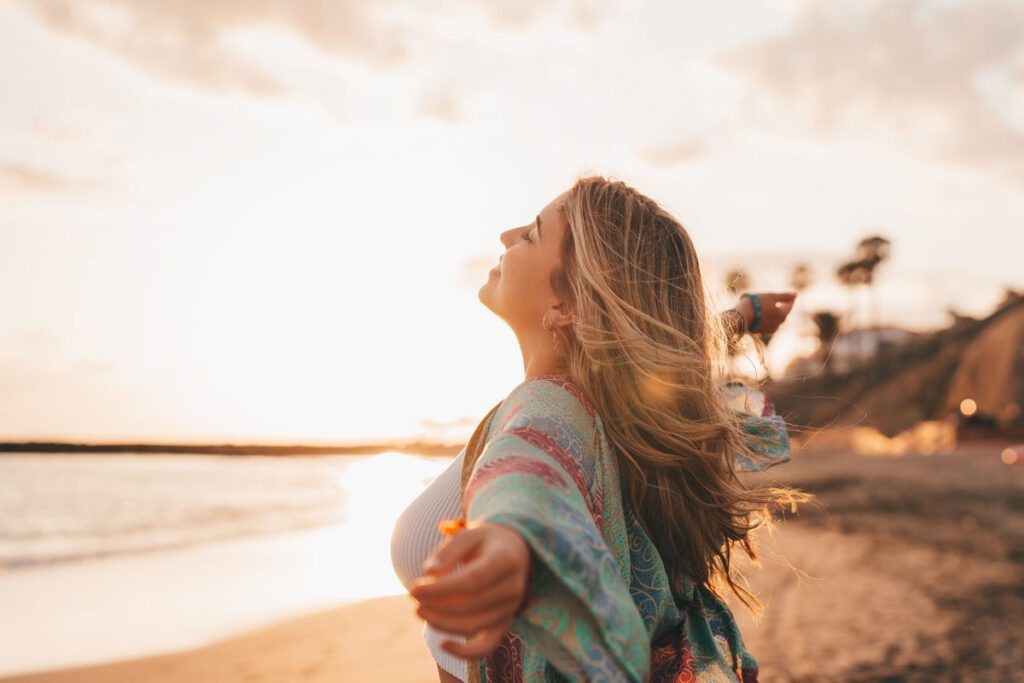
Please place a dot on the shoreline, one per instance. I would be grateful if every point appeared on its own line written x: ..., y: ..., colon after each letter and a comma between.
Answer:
x: 910, y: 569
x: 422, y: 448
x: 841, y: 606
x: 76, y: 614
x: 371, y: 640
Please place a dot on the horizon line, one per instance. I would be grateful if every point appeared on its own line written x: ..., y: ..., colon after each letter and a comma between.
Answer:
x: 409, y: 446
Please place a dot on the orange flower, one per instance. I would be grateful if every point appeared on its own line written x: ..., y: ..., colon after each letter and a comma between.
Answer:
x: 450, y: 527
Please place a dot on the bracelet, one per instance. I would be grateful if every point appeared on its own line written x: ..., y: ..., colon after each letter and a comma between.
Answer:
x: 755, y: 301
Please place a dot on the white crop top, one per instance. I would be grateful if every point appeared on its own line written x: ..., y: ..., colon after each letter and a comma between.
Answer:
x: 414, y: 538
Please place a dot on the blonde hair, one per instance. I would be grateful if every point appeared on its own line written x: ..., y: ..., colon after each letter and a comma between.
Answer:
x: 645, y: 348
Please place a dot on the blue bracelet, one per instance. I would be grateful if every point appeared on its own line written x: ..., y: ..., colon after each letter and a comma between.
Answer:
x: 755, y: 301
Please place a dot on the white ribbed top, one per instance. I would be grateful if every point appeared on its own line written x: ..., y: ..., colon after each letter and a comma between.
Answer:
x: 414, y: 538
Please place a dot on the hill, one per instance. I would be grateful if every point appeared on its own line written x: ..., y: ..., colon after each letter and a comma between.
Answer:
x: 925, y: 379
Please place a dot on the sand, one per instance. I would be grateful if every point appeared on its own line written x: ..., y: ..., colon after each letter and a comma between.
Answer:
x: 374, y: 640
x: 916, y: 571
x: 912, y: 569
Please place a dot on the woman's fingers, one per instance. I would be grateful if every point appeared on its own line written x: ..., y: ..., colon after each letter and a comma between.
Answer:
x: 480, y: 645
x: 781, y: 311
x: 468, y: 624
x: 488, y: 590
x: 492, y: 561
x: 777, y: 302
x: 454, y: 550
x: 475, y: 578
x: 506, y: 588
x: 503, y: 589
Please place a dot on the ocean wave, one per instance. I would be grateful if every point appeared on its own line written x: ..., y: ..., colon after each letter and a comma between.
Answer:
x: 59, y: 508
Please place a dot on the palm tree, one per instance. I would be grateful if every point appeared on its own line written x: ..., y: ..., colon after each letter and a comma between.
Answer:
x: 828, y: 331
x: 860, y: 271
x: 852, y: 275
x: 874, y: 247
x: 855, y: 273
x: 872, y: 251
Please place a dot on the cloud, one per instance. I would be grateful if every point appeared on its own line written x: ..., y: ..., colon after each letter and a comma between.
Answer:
x: 46, y: 395
x: 585, y: 16
x: 442, y: 105
x: 913, y: 66
x: 37, y: 339
x: 189, y: 41
x: 444, y: 425
x: 55, y: 131
x: 673, y: 153
x: 517, y: 15
x: 18, y: 178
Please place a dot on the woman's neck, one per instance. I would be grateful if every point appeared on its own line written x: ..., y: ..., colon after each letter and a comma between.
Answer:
x: 539, y: 356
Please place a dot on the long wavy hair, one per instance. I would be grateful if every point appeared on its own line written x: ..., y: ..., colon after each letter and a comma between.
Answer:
x: 646, y: 350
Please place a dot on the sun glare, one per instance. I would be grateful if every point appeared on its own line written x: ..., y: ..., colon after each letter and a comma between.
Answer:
x: 377, y: 490
x: 968, y: 407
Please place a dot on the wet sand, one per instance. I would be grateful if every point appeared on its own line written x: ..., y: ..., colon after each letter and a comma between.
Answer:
x: 910, y: 569
x: 374, y: 640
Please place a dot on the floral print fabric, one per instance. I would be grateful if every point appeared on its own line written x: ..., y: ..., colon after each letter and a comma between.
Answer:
x: 599, y: 606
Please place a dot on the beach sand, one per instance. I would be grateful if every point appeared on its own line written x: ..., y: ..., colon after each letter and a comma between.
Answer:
x: 373, y: 640
x: 916, y: 571
x: 911, y: 569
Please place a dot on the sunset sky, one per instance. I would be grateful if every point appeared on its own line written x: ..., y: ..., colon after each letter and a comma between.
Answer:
x: 267, y: 220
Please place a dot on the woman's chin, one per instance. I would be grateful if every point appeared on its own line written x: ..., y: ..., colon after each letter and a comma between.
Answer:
x: 487, y: 294
x: 484, y: 294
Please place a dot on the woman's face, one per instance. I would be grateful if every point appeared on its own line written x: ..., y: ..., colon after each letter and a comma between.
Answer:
x: 518, y: 289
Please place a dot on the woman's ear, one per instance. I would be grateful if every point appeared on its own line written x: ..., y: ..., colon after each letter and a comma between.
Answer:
x: 560, y: 315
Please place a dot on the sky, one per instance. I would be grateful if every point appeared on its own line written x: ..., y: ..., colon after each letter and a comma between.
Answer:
x: 267, y: 220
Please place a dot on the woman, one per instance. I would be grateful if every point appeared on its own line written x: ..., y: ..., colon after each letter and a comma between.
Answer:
x: 603, y: 506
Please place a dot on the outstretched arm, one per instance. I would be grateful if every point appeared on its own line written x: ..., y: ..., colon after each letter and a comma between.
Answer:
x: 775, y: 307
x: 532, y: 541
x: 766, y: 433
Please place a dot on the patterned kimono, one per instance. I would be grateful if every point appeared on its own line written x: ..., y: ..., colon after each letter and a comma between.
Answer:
x: 599, y: 606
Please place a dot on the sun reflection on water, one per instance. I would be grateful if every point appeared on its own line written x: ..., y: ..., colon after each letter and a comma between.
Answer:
x: 377, y: 490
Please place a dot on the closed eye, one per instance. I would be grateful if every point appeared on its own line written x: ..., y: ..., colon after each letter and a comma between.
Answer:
x: 526, y: 236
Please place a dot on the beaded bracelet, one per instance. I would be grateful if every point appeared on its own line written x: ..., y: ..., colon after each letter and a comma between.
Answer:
x: 755, y: 301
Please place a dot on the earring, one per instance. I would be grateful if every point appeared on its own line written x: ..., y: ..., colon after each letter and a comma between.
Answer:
x: 554, y: 333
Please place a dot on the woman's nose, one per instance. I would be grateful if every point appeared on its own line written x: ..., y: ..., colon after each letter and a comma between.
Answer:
x: 507, y: 237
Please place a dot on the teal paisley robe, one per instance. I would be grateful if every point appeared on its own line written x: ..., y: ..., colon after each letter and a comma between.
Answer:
x: 599, y: 606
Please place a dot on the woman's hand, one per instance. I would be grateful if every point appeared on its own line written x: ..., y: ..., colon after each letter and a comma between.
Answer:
x: 481, y: 599
x: 775, y: 306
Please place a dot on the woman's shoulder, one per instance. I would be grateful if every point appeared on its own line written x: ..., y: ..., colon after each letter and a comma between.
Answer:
x: 553, y: 415
x: 551, y: 397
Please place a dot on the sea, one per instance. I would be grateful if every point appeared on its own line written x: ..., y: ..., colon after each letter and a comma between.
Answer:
x: 163, y: 552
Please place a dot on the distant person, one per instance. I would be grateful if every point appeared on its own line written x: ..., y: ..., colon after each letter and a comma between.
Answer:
x: 599, y: 502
